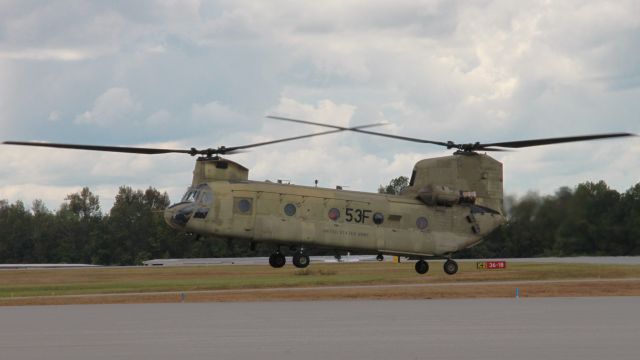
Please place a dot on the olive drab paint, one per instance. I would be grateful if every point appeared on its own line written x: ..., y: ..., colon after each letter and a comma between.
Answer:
x: 469, y: 185
x: 466, y: 172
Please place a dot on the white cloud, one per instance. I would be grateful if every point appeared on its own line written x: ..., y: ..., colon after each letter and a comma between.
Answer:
x: 159, y: 118
x: 51, y: 174
x: 325, y: 111
x: 214, y: 112
x: 54, y: 115
x: 114, y: 106
x: 204, y: 74
x: 48, y: 54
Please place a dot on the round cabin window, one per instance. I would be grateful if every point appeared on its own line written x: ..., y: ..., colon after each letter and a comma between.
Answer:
x: 422, y: 223
x: 244, y: 205
x: 378, y: 218
x: 290, y: 209
x: 334, y: 214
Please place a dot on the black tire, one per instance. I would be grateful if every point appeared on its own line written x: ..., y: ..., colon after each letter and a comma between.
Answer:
x: 272, y: 261
x: 450, y: 267
x: 422, y: 267
x: 300, y: 260
x: 379, y: 257
x: 277, y: 260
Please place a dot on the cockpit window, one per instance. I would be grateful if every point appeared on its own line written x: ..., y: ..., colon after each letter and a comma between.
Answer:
x: 202, y: 197
x: 205, y: 197
x: 190, y: 196
x: 201, y: 194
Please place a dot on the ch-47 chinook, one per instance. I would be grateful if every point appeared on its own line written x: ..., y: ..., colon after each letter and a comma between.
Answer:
x: 451, y: 203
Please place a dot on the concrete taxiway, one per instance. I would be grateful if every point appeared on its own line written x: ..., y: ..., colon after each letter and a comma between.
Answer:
x: 532, y: 328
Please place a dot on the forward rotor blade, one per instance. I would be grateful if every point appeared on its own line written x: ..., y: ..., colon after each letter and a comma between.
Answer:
x: 548, y: 141
x: 120, y: 149
x: 152, y: 151
x: 423, y: 141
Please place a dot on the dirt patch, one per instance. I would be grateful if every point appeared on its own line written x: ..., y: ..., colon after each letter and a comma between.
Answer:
x: 564, y: 288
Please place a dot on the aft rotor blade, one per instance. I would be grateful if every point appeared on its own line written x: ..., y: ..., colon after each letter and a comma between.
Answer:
x: 423, y: 141
x: 355, y: 128
x: 558, y: 140
x: 120, y: 149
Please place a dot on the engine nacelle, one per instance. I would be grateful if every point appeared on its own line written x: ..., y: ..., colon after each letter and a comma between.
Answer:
x: 442, y: 195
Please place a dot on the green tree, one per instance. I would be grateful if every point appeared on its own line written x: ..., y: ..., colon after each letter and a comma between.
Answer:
x: 136, y: 227
x: 630, y: 207
x: 592, y: 225
x: 43, y: 233
x: 84, y: 204
x: 395, y: 186
x: 16, y: 244
x: 78, y: 225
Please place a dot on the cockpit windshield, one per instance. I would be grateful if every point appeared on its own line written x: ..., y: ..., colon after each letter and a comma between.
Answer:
x: 201, y: 194
x: 190, y: 196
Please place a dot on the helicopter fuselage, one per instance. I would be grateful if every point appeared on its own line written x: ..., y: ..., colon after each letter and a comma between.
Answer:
x: 306, y: 217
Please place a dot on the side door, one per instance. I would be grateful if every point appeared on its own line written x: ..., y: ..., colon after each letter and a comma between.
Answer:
x: 243, y: 213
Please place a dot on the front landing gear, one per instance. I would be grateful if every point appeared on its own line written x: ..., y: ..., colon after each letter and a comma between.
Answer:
x: 277, y: 260
x: 300, y: 260
x: 450, y: 267
x: 422, y: 267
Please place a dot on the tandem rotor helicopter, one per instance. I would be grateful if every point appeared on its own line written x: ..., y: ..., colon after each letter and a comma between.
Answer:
x: 451, y: 203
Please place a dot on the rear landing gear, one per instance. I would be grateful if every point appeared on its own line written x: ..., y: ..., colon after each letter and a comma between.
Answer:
x: 379, y: 257
x: 450, y: 267
x: 300, y: 260
x: 422, y: 267
x: 277, y: 260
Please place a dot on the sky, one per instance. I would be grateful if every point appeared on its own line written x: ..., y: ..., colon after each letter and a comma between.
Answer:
x: 182, y: 74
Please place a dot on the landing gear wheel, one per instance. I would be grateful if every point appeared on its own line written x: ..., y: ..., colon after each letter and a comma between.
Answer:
x: 277, y: 260
x: 422, y: 267
x: 300, y: 260
x: 379, y: 257
x: 450, y: 267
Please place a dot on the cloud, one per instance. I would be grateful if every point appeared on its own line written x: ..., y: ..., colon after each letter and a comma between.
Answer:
x: 214, y: 112
x: 205, y: 73
x: 51, y: 174
x: 48, y: 54
x: 159, y: 118
x: 114, y: 106
x: 325, y: 111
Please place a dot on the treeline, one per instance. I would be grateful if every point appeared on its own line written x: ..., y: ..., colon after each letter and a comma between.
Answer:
x: 591, y: 219
x: 78, y: 232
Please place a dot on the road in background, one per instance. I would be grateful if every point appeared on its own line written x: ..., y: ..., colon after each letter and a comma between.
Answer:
x: 603, y: 260
x: 613, y: 260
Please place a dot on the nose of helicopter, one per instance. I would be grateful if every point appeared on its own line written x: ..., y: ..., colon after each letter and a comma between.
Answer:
x: 177, y: 216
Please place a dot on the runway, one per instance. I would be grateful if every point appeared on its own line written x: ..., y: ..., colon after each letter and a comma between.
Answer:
x: 531, y: 328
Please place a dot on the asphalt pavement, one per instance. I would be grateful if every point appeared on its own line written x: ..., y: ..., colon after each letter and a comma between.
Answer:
x: 525, y: 328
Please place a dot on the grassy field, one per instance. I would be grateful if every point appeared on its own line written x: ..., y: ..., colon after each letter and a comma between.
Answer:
x: 26, y: 285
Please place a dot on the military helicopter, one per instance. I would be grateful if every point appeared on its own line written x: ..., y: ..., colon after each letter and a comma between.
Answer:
x: 451, y: 203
